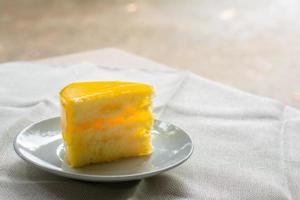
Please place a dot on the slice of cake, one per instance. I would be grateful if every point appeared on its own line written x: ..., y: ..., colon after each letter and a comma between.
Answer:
x: 106, y: 121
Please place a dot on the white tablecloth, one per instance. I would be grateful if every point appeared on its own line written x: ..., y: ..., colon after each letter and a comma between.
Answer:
x: 246, y: 147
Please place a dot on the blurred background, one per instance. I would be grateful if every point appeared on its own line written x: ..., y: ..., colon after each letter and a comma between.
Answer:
x: 252, y: 45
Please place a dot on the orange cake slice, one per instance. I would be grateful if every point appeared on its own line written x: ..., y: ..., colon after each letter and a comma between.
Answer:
x: 106, y: 121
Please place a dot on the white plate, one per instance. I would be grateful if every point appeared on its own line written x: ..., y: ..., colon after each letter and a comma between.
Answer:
x: 41, y: 145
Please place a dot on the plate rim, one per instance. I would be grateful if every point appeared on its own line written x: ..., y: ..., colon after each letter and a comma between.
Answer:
x: 97, y: 178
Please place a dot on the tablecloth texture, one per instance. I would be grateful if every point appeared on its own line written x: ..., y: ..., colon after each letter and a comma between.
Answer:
x: 246, y: 147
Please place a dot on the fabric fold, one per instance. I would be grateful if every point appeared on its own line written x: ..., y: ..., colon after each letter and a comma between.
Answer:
x: 245, y: 146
